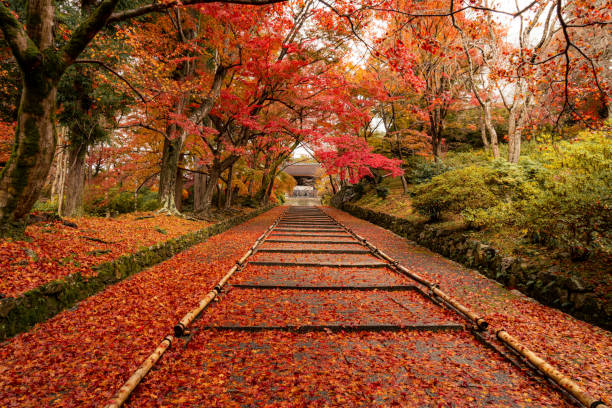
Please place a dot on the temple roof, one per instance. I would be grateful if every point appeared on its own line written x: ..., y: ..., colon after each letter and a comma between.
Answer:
x: 304, y: 170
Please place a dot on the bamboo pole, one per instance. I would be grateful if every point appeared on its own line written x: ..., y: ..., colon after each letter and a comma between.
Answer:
x: 181, y: 326
x: 413, y: 275
x: 479, y: 321
x: 564, y: 382
x: 124, y: 392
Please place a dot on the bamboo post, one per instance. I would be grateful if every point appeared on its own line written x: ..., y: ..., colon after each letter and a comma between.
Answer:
x: 124, y: 392
x: 549, y: 371
x: 179, y: 328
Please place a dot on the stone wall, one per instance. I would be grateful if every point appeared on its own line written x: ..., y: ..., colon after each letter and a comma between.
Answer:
x: 19, y: 314
x: 568, y: 294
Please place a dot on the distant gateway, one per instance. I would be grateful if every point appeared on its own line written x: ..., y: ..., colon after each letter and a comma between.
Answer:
x: 306, y: 175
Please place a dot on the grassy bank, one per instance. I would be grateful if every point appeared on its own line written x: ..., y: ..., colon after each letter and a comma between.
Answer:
x: 553, y: 209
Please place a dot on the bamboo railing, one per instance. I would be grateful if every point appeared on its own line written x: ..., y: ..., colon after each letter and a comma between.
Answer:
x: 128, y: 387
x: 550, y: 371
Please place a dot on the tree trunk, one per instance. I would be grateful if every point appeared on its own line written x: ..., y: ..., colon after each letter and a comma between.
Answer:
x: 404, y: 183
x: 178, y: 192
x: 514, y: 134
x: 207, y: 193
x: 199, y: 188
x: 168, y: 173
x: 400, y: 156
x: 332, y: 184
x: 251, y: 183
x: 435, y: 131
x: 491, y: 129
x: 74, y: 183
x: 270, y: 186
x: 229, y: 189
x: 483, y: 130
x: 62, y: 179
x: 265, y: 182
x: 437, y: 148
x: 60, y: 165
x: 72, y: 203
x: 26, y: 171
x: 219, y: 197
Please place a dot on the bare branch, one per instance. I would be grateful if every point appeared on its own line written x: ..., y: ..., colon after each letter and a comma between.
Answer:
x: 118, y: 75
x: 155, y: 7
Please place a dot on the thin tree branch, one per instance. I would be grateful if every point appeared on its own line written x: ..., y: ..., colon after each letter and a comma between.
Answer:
x: 155, y: 7
x: 102, y: 64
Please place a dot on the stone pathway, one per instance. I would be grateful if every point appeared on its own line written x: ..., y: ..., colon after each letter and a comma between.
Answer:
x: 316, y: 320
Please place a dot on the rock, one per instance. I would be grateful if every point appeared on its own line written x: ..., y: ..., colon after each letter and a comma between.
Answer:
x: 6, y: 305
x: 561, y: 295
x: 70, y: 224
x: 575, y: 284
x: 31, y: 254
x: 579, y: 300
x: 591, y: 305
x: 511, y: 280
x: 506, y: 263
x: 479, y: 255
x: 607, y: 309
x: 489, y: 252
x: 52, y: 288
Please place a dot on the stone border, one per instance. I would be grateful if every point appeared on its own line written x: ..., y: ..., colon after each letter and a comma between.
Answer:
x: 19, y: 314
x: 570, y: 295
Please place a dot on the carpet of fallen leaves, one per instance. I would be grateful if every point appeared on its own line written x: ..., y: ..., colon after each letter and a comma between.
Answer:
x: 317, y: 259
x: 54, y: 250
x: 235, y: 368
x: 578, y: 349
x: 251, y: 307
x: 80, y: 357
x: 278, y: 369
x: 313, y: 276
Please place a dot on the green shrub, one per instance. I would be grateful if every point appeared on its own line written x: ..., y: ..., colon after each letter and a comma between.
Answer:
x: 359, y: 190
x: 497, y: 216
x: 46, y: 206
x: 574, y: 213
x: 121, y: 202
x: 248, y: 201
x: 469, y: 188
x: 573, y: 208
x: 423, y: 171
x: 560, y: 195
x: 148, y: 200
